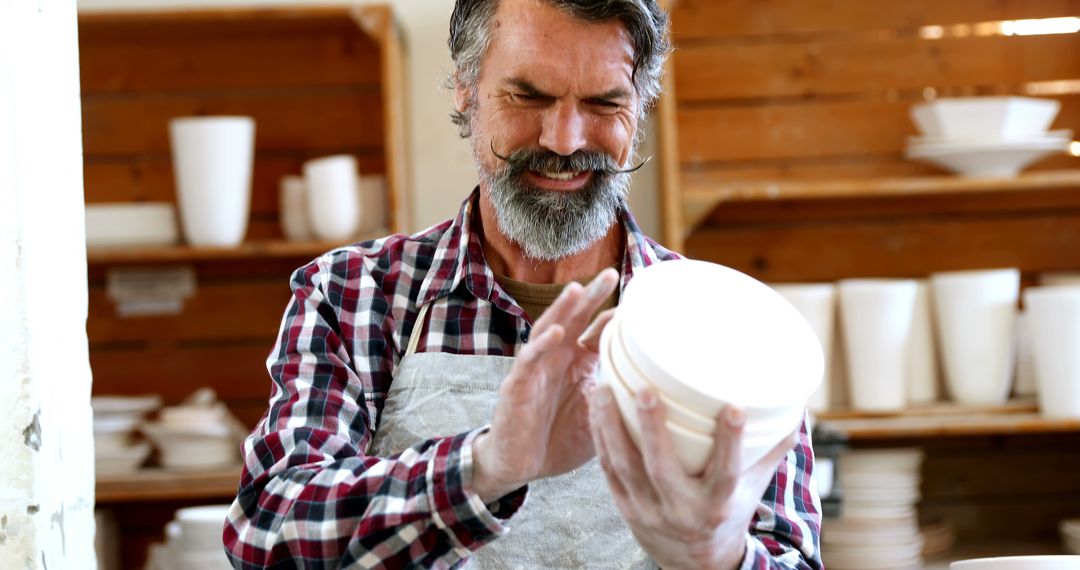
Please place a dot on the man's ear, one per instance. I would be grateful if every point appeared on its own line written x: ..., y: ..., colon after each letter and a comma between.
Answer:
x: 461, y: 95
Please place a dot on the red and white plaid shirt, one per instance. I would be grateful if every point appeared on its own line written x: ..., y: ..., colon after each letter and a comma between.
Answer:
x: 309, y: 494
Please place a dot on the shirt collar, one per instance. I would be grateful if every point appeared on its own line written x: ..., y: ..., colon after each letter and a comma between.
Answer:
x: 459, y: 257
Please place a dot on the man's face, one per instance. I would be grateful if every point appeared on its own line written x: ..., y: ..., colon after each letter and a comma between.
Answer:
x: 556, y: 95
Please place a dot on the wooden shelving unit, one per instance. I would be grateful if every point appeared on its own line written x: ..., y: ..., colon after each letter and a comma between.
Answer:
x: 161, y: 485
x: 255, y: 249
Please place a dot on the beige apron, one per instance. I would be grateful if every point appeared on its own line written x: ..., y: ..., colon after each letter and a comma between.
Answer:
x: 569, y: 521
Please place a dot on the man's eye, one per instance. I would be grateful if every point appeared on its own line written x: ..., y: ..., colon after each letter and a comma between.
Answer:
x: 525, y: 97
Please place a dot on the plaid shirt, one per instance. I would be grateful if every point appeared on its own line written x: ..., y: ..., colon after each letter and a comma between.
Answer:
x: 310, y: 496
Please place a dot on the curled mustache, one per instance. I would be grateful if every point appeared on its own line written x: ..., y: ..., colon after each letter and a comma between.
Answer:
x: 547, y: 161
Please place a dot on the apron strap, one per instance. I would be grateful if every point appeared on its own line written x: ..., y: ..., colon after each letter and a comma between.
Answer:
x: 418, y: 329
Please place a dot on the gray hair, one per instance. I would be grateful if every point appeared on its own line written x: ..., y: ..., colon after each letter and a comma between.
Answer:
x: 645, y: 22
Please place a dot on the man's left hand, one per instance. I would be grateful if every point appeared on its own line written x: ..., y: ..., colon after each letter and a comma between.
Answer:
x: 682, y: 521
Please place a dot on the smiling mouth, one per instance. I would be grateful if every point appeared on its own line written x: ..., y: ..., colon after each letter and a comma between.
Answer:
x: 561, y: 175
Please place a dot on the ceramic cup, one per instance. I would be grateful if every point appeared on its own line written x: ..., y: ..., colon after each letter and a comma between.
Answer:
x: 922, y: 379
x: 817, y: 303
x: 877, y: 316
x: 1054, y: 314
x: 975, y: 313
x: 293, y: 208
x: 333, y: 197
x: 212, y: 163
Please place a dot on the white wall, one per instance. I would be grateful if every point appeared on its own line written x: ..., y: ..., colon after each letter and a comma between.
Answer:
x: 46, y: 443
x: 441, y: 167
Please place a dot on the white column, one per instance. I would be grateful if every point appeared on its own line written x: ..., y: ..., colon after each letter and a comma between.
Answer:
x: 46, y: 441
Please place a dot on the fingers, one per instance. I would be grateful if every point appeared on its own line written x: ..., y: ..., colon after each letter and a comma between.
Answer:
x: 666, y: 473
x: 621, y: 456
x: 725, y: 466
x: 576, y: 310
x: 590, y: 339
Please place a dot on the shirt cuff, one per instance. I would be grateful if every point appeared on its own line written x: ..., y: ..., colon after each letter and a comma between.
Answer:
x: 455, y: 508
x: 752, y: 555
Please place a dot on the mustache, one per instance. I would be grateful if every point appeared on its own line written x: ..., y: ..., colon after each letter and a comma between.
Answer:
x: 548, y: 161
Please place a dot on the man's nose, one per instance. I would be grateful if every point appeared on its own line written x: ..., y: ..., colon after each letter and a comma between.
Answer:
x: 563, y: 129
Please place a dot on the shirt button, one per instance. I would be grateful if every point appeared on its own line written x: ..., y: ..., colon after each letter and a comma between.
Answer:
x: 525, y: 335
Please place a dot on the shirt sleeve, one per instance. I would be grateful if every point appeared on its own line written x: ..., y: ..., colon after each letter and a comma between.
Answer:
x: 309, y: 496
x: 785, y: 531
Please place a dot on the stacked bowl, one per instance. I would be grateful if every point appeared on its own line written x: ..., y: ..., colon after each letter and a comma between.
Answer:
x: 879, y: 527
x: 986, y: 136
x: 116, y: 421
x: 192, y: 540
x: 704, y: 336
x: 199, y: 434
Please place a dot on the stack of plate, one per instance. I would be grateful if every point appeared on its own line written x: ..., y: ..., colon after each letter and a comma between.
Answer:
x: 124, y: 224
x: 879, y: 527
x: 116, y: 420
x: 192, y: 540
x: 199, y: 434
x: 704, y: 336
x: 1070, y: 534
x: 986, y: 136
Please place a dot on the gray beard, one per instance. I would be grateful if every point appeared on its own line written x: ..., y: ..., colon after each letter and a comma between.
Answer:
x: 549, y: 226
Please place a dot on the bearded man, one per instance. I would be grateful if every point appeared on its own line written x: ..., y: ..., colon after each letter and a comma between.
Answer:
x: 433, y: 401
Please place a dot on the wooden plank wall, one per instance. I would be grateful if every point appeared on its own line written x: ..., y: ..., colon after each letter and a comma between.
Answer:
x: 820, y: 89
x: 314, y: 84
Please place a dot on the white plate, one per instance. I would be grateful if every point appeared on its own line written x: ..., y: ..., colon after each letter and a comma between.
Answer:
x: 124, y: 405
x: 999, y: 161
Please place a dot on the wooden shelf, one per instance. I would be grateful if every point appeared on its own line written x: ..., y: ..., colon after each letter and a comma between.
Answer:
x: 702, y: 193
x: 159, y: 484
x: 259, y: 249
x: 1014, y: 418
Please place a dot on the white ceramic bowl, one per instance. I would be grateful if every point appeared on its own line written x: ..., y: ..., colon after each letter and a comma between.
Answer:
x: 901, y: 461
x: 1019, y: 563
x: 707, y: 335
x: 985, y: 117
x: 692, y: 448
x: 126, y: 405
x: 131, y: 224
x: 1001, y: 160
x: 114, y: 461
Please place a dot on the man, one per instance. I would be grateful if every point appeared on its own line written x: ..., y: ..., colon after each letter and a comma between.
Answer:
x: 433, y: 400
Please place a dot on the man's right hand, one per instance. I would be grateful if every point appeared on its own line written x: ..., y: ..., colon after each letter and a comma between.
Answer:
x: 541, y: 423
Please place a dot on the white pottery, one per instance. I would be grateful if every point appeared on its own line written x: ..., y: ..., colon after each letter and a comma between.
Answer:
x: 333, y: 197
x: 817, y: 303
x: 985, y: 118
x: 1019, y: 563
x: 877, y: 316
x: 1054, y: 314
x: 212, y: 161
x: 922, y: 379
x: 293, y: 208
x: 975, y: 312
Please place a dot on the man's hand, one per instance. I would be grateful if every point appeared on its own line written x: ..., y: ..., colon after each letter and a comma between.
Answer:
x: 541, y: 423
x: 680, y: 520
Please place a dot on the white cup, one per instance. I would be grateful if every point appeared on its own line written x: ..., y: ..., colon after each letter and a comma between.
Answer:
x: 1025, y: 383
x: 817, y: 303
x: 877, y: 315
x: 333, y: 197
x: 922, y: 377
x: 976, y: 315
x: 212, y: 162
x: 1054, y: 325
x: 293, y: 208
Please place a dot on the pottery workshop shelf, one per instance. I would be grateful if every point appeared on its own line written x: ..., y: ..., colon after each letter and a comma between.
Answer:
x: 1015, y: 418
x: 255, y: 249
x: 158, y: 485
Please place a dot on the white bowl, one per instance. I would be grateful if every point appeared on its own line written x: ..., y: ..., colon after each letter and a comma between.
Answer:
x: 1063, y: 134
x: 1002, y: 160
x: 901, y: 462
x: 985, y: 117
x: 1019, y: 563
x: 124, y: 405
x: 121, y: 460
x: 131, y: 224
x: 707, y: 335
x: 692, y: 449
x: 117, y: 423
